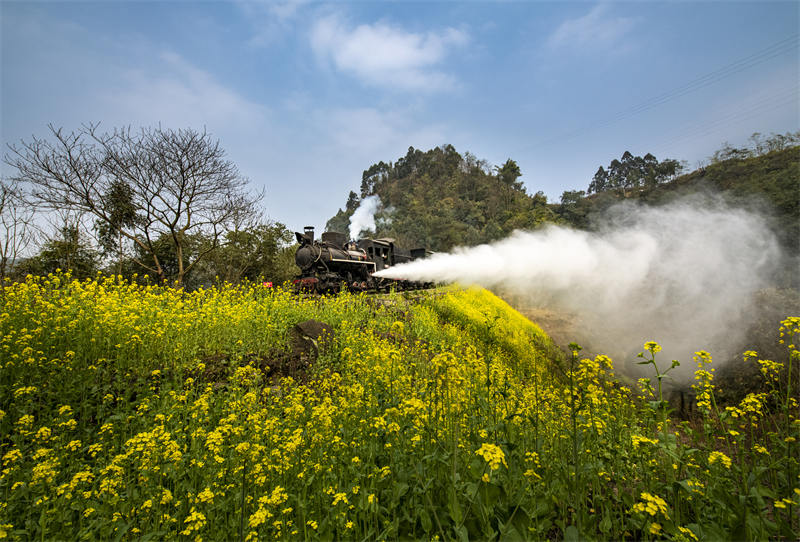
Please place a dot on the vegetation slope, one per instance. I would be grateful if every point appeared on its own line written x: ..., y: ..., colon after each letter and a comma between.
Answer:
x: 768, y: 183
x: 143, y: 412
x: 440, y: 199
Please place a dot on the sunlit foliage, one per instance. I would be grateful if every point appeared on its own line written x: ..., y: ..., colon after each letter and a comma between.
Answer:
x: 130, y: 411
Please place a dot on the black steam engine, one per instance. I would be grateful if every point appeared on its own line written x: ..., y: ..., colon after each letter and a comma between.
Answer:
x: 334, y: 263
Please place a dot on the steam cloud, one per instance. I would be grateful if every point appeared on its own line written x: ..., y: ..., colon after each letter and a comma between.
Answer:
x: 682, y: 274
x: 364, y: 217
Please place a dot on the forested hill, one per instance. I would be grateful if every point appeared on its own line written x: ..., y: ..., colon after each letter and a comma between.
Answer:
x: 440, y: 199
x: 768, y: 182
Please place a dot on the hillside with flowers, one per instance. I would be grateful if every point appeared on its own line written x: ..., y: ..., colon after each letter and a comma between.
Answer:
x: 147, y: 412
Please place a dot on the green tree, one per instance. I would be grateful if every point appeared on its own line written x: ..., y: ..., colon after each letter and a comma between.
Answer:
x: 508, y: 174
x: 339, y: 222
x: 181, y: 186
x: 439, y: 198
x: 253, y: 253
x: 68, y: 250
x: 575, y: 208
x: 120, y: 209
x: 17, y: 227
x: 600, y: 182
x: 632, y: 173
x: 372, y: 176
x: 352, y: 202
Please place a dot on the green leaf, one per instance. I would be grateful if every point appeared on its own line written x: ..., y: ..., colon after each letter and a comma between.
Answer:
x: 511, y: 533
x: 400, y: 489
x: 605, y: 524
x: 571, y: 534
x: 765, y: 492
x: 155, y: 535
x: 521, y: 522
x: 425, y: 520
x: 122, y: 531
x: 454, y: 507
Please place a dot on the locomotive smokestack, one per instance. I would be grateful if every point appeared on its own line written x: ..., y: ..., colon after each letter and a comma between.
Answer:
x: 309, y: 233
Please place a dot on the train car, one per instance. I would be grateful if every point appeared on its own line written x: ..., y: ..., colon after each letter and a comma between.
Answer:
x: 334, y: 263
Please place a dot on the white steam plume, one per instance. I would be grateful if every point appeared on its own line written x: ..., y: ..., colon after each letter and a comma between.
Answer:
x: 682, y: 274
x: 364, y: 217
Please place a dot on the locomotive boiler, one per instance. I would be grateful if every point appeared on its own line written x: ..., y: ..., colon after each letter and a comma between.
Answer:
x: 334, y: 263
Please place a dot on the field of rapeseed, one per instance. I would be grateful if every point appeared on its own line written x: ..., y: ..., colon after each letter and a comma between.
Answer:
x: 143, y: 412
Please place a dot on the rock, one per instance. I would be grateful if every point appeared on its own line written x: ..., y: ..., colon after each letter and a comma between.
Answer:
x: 306, y: 336
x: 312, y: 329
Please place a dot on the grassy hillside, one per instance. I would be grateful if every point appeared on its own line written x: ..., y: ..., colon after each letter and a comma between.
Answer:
x: 768, y: 183
x: 146, y: 412
x: 440, y: 199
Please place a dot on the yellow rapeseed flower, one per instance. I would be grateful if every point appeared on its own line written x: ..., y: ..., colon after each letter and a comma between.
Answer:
x: 652, y: 505
x: 492, y: 454
x: 715, y: 456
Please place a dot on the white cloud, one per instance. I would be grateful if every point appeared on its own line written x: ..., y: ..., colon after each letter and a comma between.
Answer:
x: 175, y: 92
x: 281, y: 10
x: 286, y: 9
x: 596, y: 29
x: 384, y: 55
x: 272, y: 21
x: 371, y: 132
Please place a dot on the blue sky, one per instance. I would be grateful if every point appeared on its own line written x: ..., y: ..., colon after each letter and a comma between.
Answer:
x: 304, y: 96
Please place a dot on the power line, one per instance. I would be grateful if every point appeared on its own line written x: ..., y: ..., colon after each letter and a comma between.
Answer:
x: 763, y: 55
x: 770, y: 52
x: 755, y: 108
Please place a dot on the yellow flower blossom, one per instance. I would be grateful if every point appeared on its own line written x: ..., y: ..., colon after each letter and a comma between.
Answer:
x: 206, y: 495
x: 637, y: 441
x: 688, y: 533
x: 652, y: 505
x: 715, y: 457
x: 194, y: 522
x: 492, y: 454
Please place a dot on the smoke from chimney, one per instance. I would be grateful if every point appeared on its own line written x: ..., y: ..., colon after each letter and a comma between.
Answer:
x: 683, y: 274
x: 363, y: 218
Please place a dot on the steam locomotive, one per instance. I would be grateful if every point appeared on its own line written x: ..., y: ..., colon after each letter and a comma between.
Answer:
x: 335, y: 263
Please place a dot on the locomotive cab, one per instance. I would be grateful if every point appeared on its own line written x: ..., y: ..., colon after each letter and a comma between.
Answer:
x: 379, y: 251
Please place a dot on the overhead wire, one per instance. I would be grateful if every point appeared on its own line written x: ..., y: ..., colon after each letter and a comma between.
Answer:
x: 753, y: 109
x: 770, y: 52
x: 776, y: 49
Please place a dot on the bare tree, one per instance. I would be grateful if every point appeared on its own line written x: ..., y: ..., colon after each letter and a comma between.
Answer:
x: 143, y: 186
x: 17, y: 228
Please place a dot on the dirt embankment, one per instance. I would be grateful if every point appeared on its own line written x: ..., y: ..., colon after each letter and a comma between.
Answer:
x: 734, y: 377
x: 562, y: 327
